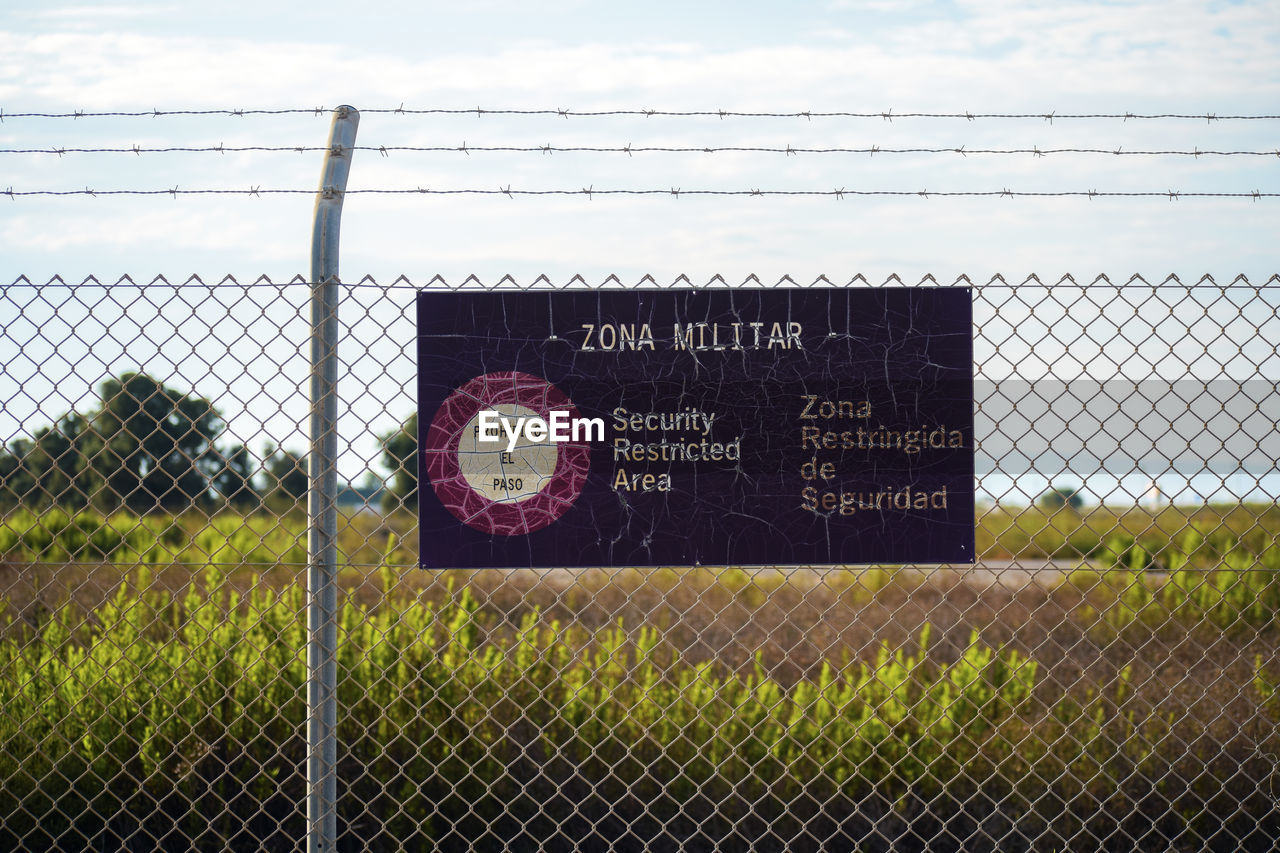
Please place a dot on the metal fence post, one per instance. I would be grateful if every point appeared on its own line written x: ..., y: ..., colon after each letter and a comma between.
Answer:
x: 322, y: 529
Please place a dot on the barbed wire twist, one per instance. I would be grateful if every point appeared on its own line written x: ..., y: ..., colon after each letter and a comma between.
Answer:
x: 674, y: 192
x: 884, y: 115
x: 629, y: 150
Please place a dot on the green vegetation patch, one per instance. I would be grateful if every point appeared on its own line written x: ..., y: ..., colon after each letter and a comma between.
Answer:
x: 186, y: 711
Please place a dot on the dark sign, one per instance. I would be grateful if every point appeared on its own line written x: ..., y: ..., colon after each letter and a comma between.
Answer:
x: 696, y: 427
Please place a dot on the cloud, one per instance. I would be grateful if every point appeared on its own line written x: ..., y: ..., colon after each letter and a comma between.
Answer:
x: 886, y: 6
x: 995, y: 52
x: 1003, y: 57
x: 80, y: 13
x: 139, y: 231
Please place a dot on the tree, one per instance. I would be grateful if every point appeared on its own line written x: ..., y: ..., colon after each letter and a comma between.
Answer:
x: 144, y: 447
x: 51, y: 467
x: 157, y: 444
x: 287, y: 477
x: 15, y: 481
x: 235, y: 481
x: 1058, y: 497
x: 400, y: 456
x: 18, y: 486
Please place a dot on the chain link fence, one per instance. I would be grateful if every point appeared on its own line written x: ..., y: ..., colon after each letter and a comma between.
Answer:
x: 1104, y: 677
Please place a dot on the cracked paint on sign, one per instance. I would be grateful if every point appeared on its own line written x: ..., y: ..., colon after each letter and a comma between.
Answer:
x: 800, y: 426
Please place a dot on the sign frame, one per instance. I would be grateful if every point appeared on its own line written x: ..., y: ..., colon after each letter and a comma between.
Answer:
x: 859, y: 448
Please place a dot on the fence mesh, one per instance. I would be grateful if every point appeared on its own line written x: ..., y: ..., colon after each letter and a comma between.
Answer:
x: 1104, y: 677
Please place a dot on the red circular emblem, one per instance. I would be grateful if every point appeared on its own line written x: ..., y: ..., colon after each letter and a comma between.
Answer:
x: 485, y: 485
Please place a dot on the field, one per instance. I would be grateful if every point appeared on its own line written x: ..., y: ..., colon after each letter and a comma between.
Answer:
x: 1103, y: 680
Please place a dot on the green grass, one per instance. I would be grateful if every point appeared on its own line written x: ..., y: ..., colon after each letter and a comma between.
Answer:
x: 171, y: 690
x: 227, y: 538
x: 1038, y: 533
x: 265, y: 538
x: 183, y: 711
x: 156, y: 707
x: 1217, y: 566
x: 1221, y: 579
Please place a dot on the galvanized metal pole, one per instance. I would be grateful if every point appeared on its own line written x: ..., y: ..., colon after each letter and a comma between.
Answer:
x: 322, y: 496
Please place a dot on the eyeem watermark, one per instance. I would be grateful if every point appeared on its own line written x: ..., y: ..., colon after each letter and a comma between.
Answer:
x: 558, y: 428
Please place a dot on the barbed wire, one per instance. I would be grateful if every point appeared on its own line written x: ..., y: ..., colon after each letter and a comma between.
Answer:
x: 1239, y: 280
x: 886, y: 115
x: 464, y: 148
x: 676, y: 192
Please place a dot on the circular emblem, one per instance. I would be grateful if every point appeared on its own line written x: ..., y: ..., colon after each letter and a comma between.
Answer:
x: 485, y: 485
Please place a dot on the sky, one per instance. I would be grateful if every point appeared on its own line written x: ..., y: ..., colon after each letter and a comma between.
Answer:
x: 872, y: 56
x: 840, y: 55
